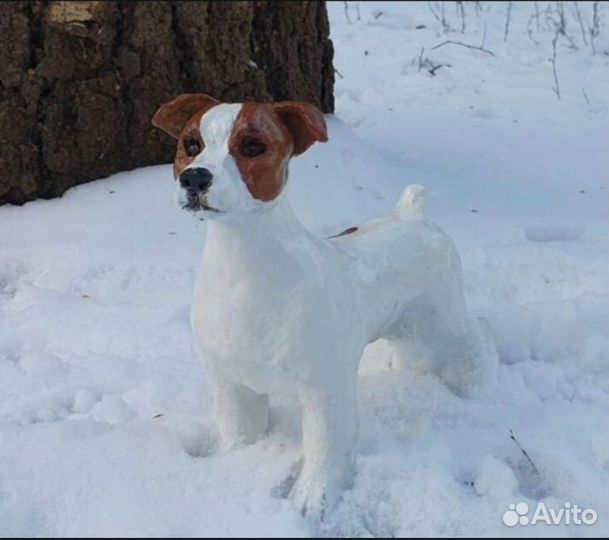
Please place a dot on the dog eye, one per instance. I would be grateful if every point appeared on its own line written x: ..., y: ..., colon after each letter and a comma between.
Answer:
x: 252, y: 149
x: 192, y: 146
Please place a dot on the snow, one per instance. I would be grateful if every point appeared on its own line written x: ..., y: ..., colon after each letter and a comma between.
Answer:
x: 95, y: 290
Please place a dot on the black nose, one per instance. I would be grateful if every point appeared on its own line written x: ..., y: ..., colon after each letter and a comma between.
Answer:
x: 196, y: 180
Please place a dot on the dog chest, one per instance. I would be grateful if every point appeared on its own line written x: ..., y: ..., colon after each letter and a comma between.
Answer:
x: 252, y: 330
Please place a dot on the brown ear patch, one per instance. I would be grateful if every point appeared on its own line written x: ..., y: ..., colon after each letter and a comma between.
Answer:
x: 172, y: 117
x: 305, y: 122
x: 265, y: 174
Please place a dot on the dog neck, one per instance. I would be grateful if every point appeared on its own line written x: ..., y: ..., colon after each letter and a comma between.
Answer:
x: 257, y: 241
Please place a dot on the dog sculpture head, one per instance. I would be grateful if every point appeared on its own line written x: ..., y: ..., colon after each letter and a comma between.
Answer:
x: 232, y: 158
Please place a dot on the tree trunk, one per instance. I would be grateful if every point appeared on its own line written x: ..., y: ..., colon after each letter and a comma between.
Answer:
x: 80, y: 81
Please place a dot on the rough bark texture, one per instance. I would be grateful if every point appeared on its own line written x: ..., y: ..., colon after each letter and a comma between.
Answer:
x: 80, y: 81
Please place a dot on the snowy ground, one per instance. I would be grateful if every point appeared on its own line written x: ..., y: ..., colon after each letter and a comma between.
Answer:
x: 95, y: 291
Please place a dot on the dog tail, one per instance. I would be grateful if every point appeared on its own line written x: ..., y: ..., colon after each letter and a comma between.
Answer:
x: 412, y: 202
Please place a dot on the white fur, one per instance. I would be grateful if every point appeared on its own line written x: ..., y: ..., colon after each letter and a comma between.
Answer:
x: 279, y: 309
x: 227, y: 193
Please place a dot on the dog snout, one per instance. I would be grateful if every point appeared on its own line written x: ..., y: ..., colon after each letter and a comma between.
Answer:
x: 196, y: 181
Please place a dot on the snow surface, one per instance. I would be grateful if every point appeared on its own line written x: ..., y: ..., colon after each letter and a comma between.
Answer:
x: 95, y: 291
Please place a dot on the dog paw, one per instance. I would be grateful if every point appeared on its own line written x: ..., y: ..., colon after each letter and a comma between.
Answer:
x: 284, y: 489
x: 315, y: 495
x: 309, y: 496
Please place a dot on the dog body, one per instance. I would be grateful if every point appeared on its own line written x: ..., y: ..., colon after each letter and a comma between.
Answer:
x: 278, y: 309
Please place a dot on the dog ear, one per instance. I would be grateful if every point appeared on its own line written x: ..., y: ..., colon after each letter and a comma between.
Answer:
x: 305, y: 122
x: 172, y: 117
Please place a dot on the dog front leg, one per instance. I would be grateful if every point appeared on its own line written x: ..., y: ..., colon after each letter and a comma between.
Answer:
x: 329, y: 435
x: 241, y: 414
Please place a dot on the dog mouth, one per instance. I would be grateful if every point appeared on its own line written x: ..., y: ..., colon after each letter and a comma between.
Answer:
x: 194, y: 204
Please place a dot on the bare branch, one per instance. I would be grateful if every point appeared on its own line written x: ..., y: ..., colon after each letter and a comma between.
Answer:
x: 562, y: 25
x: 461, y: 11
x: 578, y: 15
x: 483, y: 40
x: 558, y: 23
x: 346, y: 4
x: 427, y: 63
x: 421, y: 58
x: 530, y: 30
x: 524, y: 452
x: 561, y: 15
x: 556, y: 87
x: 508, y: 18
x: 440, y: 18
x: 595, y: 28
x: 452, y: 42
x: 585, y: 96
x: 549, y: 19
x: 433, y: 69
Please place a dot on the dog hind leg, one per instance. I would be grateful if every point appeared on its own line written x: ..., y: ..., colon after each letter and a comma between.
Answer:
x: 241, y: 414
x: 441, y: 338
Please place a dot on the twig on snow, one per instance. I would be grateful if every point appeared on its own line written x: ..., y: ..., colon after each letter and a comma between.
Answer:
x: 483, y: 40
x: 461, y: 11
x: 346, y: 4
x: 548, y: 17
x: 562, y: 25
x: 421, y: 58
x: 432, y: 70
x: 594, y: 29
x: 427, y: 63
x: 452, y: 42
x: 508, y: 18
x: 524, y: 452
x: 555, y: 88
x: 578, y: 15
x: 530, y: 30
x: 440, y: 18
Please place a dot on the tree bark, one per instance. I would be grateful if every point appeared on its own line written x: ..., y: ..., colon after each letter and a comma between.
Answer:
x: 80, y: 81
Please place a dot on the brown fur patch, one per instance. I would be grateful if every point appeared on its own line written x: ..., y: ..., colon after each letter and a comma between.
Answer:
x: 305, y: 122
x: 172, y: 117
x: 266, y: 174
x: 180, y: 118
x: 190, y: 130
x: 285, y: 129
x: 350, y: 230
